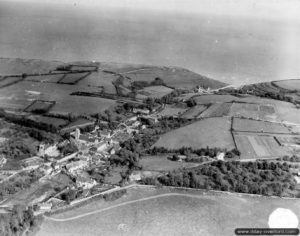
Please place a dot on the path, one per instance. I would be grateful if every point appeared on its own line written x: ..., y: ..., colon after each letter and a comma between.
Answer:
x: 124, y: 204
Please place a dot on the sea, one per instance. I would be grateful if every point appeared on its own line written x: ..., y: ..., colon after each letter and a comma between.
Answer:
x: 234, y: 49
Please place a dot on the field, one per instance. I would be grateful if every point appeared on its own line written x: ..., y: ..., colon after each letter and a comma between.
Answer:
x: 171, y: 111
x: 288, y: 84
x: 17, y: 96
x: 254, y: 111
x: 83, y: 68
x: 205, y: 99
x: 174, y: 77
x: 40, y: 105
x: 100, y: 79
x: 194, y: 111
x: 212, y: 132
x: 259, y: 146
x: 73, y: 78
x: 216, y: 109
x: 159, y: 211
x: 51, y: 78
x: 6, y: 81
x: 162, y: 163
x: 155, y: 91
x: 246, y: 125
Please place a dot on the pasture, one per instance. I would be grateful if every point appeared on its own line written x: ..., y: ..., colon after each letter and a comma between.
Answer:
x: 259, y: 146
x: 155, y: 91
x: 16, y: 96
x: 159, y: 211
x: 212, y: 132
x: 213, y: 98
x: 73, y: 78
x: 293, y: 84
x: 171, y: 111
x: 246, y: 125
x: 216, y: 109
x: 162, y: 163
x: 101, y: 80
x: 194, y: 112
x: 50, y: 78
x: 174, y: 77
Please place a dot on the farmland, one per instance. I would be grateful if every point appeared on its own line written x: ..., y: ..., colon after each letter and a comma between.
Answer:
x: 216, y: 109
x: 50, y: 78
x: 288, y: 84
x: 194, y: 111
x: 155, y: 91
x: 173, y: 77
x: 171, y: 111
x: 259, y: 146
x: 73, y: 78
x: 65, y: 103
x: 197, y: 211
x: 205, y: 99
x: 162, y: 163
x: 213, y: 132
x: 254, y: 111
x: 246, y: 125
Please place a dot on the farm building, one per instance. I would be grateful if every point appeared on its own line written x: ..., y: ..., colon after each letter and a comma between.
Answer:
x: 141, y: 111
x: 85, y: 183
x: 32, y: 161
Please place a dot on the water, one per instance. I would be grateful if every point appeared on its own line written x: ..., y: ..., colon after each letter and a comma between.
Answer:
x: 234, y: 50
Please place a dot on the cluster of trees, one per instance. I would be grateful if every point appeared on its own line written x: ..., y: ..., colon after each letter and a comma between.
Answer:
x: 16, y: 148
x: 17, y: 221
x: 136, y: 85
x: 23, y: 121
x: 211, y: 152
x: 20, y: 182
x: 266, y: 178
x: 291, y: 159
x: 69, y: 148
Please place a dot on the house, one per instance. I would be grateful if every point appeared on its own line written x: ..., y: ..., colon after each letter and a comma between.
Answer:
x: 76, y: 165
x: 45, y: 207
x: 32, y: 161
x: 2, y: 160
x: 220, y: 156
x: 84, y: 182
x: 104, y: 133
x: 141, y: 111
x: 136, y: 176
x: 46, y: 149
x: 101, y: 147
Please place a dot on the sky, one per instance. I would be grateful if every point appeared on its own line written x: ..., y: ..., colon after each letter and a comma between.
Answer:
x: 275, y: 9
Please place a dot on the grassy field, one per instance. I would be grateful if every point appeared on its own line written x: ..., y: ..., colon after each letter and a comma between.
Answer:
x: 212, y: 132
x: 171, y: 111
x: 174, y: 77
x: 289, y: 84
x: 162, y: 163
x: 216, y: 109
x: 100, y: 79
x: 199, y: 213
x: 205, y: 99
x: 73, y: 78
x: 17, y: 95
x: 259, y: 146
x: 155, y: 91
x: 52, y: 78
x: 258, y: 126
x: 194, y: 111
x: 254, y: 111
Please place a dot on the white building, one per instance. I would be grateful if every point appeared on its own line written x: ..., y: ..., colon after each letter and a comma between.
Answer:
x: 220, y: 156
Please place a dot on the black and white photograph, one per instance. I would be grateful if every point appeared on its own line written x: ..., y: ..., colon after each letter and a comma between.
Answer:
x: 149, y: 117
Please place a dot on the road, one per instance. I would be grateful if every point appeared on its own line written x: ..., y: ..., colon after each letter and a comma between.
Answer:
x: 124, y: 204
